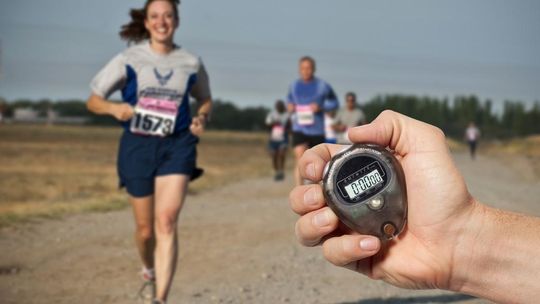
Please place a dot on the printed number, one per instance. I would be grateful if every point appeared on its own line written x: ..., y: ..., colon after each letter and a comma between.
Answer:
x: 151, y: 123
x: 158, y: 124
x: 147, y: 123
x: 167, y: 129
x: 355, y: 189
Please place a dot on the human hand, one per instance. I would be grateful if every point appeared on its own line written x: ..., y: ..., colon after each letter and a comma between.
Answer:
x: 290, y: 107
x: 315, y: 107
x: 122, y: 111
x: 439, y: 207
x: 197, y: 125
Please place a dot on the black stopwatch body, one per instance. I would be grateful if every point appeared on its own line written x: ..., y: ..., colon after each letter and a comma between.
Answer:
x: 365, y: 186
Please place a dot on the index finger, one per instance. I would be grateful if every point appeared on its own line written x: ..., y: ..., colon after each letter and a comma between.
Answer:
x: 312, y: 163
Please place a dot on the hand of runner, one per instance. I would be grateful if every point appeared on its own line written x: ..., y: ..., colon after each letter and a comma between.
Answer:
x: 122, y: 111
x: 197, y: 125
x: 434, y: 245
x: 315, y: 107
x: 291, y: 108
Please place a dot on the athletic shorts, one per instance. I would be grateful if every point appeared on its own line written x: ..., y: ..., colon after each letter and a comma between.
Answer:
x: 311, y: 141
x: 277, y: 145
x: 142, y: 158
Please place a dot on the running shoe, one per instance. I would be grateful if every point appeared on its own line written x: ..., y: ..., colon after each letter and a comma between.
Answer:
x: 147, y: 292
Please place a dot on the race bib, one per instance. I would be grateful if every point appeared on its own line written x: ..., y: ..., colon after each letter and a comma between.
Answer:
x: 154, y: 117
x: 278, y: 133
x: 304, y: 115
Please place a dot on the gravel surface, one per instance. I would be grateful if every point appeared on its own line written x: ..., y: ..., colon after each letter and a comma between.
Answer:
x: 236, y: 246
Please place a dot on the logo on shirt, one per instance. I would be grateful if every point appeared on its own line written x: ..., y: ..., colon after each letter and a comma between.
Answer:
x: 163, y: 79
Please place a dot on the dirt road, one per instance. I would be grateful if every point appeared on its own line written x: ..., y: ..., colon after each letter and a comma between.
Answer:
x: 237, y: 246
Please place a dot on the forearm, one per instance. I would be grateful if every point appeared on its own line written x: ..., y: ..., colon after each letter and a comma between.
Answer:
x: 499, y: 259
x: 205, y: 107
x: 98, y: 105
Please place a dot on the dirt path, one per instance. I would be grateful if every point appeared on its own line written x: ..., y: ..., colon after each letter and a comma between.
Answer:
x: 237, y: 246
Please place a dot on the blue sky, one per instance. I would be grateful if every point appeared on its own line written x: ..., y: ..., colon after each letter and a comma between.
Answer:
x: 52, y: 49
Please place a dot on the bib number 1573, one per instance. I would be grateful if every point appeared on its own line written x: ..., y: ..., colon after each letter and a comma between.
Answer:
x: 154, y: 117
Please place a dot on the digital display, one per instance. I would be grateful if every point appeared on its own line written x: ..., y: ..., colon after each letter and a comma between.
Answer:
x: 363, y: 184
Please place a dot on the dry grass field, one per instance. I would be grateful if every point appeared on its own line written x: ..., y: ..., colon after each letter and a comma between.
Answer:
x: 47, y: 171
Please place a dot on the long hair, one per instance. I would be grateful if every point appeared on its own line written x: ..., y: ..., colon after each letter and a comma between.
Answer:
x: 135, y: 31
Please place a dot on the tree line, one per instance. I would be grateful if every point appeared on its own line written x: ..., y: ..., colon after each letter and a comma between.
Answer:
x: 451, y: 115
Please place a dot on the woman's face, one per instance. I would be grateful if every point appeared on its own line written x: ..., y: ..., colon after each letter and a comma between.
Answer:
x: 160, y: 21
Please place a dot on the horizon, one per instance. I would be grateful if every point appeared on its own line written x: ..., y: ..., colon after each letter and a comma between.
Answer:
x: 446, y: 49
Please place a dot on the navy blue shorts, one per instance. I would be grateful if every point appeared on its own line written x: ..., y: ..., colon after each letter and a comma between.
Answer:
x: 274, y: 146
x: 142, y: 158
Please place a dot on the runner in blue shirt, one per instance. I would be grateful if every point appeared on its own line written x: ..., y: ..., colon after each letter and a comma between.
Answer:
x: 157, y: 152
x: 308, y: 98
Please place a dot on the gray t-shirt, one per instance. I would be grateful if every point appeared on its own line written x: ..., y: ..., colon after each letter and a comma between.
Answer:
x: 139, y: 72
x: 351, y: 119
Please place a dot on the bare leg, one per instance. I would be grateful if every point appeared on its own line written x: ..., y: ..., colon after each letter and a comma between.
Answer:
x: 280, y: 159
x: 298, y: 152
x: 169, y: 198
x: 275, y: 163
x: 143, y: 211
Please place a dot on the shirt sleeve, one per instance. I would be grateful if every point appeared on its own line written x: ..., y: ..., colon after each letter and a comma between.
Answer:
x: 110, y: 78
x: 201, y: 89
x: 290, y: 95
x: 361, y: 118
x: 269, y: 119
x: 331, y: 101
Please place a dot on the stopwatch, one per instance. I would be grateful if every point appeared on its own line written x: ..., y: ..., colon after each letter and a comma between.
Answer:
x: 365, y: 186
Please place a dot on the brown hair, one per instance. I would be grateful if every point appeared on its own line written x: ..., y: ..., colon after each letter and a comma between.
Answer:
x: 135, y: 31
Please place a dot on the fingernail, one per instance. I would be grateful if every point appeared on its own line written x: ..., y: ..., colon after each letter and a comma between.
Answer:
x: 310, y: 197
x: 322, y: 219
x: 310, y: 170
x: 369, y: 244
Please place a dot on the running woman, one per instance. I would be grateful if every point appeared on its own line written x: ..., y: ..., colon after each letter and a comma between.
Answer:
x: 308, y: 98
x: 157, y: 152
x: 279, y: 123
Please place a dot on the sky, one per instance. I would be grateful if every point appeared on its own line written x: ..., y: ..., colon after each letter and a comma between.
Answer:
x: 491, y: 48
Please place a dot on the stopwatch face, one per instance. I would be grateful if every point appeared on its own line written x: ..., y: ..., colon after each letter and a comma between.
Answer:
x: 365, y: 186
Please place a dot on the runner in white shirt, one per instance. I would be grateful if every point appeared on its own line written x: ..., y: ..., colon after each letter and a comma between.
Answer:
x: 278, y: 121
x: 472, y: 135
x: 157, y: 153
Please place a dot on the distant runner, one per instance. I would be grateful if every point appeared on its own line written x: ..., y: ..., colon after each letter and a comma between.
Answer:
x: 279, y: 124
x: 308, y: 98
x: 157, y: 153
x: 472, y: 135
x: 330, y: 134
x: 348, y: 117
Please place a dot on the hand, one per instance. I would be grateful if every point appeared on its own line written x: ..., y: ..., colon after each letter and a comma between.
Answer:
x: 290, y: 108
x: 122, y: 111
x: 197, y: 125
x: 440, y: 206
x: 315, y: 107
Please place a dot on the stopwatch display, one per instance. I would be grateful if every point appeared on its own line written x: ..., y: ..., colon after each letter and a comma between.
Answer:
x: 365, y: 186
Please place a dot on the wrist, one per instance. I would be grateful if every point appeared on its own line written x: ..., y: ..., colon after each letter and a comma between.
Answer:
x: 203, y: 117
x: 111, y: 108
x: 468, y: 248
x: 497, y: 258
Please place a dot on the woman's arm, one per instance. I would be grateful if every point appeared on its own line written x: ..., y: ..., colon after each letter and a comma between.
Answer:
x: 98, y: 105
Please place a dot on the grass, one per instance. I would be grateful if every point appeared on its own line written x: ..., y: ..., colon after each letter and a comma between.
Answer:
x: 527, y: 146
x: 49, y: 171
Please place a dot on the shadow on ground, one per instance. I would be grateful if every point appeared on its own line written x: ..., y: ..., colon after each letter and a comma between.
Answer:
x: 414, y: 300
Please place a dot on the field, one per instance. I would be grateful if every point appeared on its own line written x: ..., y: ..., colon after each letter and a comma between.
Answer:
x: 236, y: 230
x: 47, y: 171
